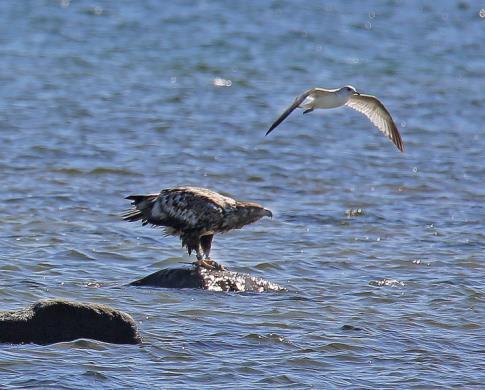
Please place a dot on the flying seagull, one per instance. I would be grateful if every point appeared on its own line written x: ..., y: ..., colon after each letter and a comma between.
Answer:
x: 368, y: 105
x: 195, y: 215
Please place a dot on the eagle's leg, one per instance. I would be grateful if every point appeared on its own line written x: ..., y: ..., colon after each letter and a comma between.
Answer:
x: 192, y: 242
x: 308, y: 110
x: 198, y: 251
x: 206, y: 243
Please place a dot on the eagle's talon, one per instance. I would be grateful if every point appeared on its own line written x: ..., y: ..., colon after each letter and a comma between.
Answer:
x: 209, y: 264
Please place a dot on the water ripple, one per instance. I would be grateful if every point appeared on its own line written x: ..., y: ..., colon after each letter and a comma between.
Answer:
x: 381, y: 252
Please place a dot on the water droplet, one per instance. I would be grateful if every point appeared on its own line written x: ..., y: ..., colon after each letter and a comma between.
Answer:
x: 219, y: 82
x: 97, y: 10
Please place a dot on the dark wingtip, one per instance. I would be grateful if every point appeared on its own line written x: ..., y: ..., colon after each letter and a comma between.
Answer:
x: 397, y: 140
x: 269, y: 131
x: 400, y: 145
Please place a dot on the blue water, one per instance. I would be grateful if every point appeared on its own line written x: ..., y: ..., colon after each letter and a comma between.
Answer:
x: 102, y: 99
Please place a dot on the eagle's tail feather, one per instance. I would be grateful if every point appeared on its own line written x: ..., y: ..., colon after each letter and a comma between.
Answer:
x: 140, y: 203
x: 132, y: 215
x: 140, y: 198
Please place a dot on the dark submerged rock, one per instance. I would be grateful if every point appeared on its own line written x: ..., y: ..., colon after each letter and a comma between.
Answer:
x: 207, y: 279
x: 57, y: 320
x: 351, y: 328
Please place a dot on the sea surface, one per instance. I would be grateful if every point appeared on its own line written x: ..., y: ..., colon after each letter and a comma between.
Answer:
x: 103, y: 99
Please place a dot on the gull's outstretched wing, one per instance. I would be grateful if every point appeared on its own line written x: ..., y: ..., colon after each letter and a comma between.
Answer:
x: 373, y: 109
x: 299, y: 100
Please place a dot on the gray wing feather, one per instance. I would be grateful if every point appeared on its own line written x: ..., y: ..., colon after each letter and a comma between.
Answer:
x: 373, y: 109
x: 299, y: 100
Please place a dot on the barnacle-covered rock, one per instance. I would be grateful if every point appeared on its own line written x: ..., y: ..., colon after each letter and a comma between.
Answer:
x: 213, y: 279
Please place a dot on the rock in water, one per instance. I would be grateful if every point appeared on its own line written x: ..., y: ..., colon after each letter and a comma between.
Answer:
x: 208, y: 279
x: 57, y: 320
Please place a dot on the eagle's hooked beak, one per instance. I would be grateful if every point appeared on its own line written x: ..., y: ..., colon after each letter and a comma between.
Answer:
x: 357, y: 93
x: 268, y: 213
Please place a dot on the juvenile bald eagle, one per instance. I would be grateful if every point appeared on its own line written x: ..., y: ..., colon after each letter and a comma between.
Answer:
x: 195, y: 215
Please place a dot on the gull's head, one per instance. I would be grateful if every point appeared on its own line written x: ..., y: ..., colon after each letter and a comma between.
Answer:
x: 348, y: 90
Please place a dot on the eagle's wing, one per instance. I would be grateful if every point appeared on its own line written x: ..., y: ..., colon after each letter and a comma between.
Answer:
x: 187, y: 209
x: 299, y: 100
x: 373, y: 109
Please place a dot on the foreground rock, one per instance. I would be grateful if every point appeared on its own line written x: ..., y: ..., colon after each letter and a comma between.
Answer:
x: 208, y: 279
x: 57, y: 320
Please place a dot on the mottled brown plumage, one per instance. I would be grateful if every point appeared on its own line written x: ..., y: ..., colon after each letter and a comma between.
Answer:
x: 194, y: 214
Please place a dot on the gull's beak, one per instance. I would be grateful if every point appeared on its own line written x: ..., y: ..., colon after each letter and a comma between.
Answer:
x: 268, y: 213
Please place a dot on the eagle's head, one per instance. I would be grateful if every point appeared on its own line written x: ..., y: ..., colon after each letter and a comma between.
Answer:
x: 251, y: 212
